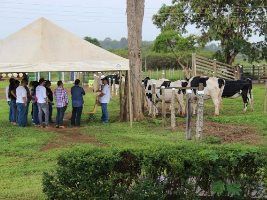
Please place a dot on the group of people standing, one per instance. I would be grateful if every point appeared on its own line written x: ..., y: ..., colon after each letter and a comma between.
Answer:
x: 19, y: 96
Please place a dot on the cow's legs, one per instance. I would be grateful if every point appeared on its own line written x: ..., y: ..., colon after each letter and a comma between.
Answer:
x: 251, y: 100
x: 245, y: 97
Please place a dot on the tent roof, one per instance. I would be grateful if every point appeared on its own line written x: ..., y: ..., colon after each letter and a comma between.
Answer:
x: 44, y: 46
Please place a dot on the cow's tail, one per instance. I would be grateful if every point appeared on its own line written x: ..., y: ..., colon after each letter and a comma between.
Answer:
x: 251, y: 100
x: 249, y: 81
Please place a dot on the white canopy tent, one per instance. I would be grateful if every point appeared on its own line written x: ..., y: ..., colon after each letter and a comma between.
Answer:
x: 43, y: 46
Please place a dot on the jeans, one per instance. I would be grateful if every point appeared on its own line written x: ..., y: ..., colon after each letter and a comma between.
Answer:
x: 60, y: 116
x: 9, y: 116
x: 35, y: 118
x: 76, y: 116
x: 43, y: 108
x: 104, y: 117
x: 22, y: 116
x: 27, y: 111
x: 13, y: 111
x: 50, y: 105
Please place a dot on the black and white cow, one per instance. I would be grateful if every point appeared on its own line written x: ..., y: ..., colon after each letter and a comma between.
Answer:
x: 236, y: 88
x: 213, y: 88
x: 168, y: 92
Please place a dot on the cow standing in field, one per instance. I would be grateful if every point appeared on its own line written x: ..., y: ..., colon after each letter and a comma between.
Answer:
x: 168, y: 92
x: 236, y: 88
x: 213, y: 88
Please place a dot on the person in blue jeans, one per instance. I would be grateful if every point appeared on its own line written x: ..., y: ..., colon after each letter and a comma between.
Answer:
x: 8, y: 99
x: 61, y: 97
x: 22, y: 102
x: 104, y: 98
x: 35, y: 119
x: 13, y: 105
x: 77, y: 94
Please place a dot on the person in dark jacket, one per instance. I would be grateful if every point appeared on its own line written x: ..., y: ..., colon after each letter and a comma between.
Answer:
x: 50, y: 99
x: 35, y: 119
x: 77, y: 94
x: 13, y: 97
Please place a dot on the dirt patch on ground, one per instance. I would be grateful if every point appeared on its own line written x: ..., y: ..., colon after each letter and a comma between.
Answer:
x: 68, y: 136
x: 230, y: 133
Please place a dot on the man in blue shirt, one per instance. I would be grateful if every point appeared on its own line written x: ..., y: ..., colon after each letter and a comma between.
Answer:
x: 77, y: 94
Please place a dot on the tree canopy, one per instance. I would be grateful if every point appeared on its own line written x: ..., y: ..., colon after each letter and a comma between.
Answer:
x: 93, y: 41
x: 232, y: 23
x: 170, y: 41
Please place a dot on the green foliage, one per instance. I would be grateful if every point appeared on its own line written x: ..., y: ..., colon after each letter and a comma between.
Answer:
x: 232, y: 23
x: 92, y: 40
x: 171, y: 41
x: 171, y: 172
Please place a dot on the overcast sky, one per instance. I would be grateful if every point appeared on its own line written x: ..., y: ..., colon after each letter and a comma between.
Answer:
x: 95, y: 18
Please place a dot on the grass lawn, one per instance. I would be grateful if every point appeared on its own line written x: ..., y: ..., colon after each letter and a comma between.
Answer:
x: 25, y: 153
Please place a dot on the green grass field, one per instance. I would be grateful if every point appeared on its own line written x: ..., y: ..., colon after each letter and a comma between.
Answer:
x: 25, y: 153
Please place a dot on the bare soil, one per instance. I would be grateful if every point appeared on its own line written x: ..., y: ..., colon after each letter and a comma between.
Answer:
x: 230, y: 133
x: 68, y: 136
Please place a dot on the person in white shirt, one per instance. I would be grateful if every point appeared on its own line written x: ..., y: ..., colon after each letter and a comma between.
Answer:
x: 8, y: 99
x: 21, y: 102
x: 42, y: 103
x: 104, y: 98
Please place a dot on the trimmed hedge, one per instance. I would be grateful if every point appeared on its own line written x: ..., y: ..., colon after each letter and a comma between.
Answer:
x: 163, y: 173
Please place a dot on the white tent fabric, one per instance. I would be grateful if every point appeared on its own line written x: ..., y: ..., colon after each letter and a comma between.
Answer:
x: 43, y: 46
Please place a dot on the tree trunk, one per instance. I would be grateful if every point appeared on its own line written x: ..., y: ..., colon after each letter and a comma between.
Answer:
x: 135, y: 15
x: 230, y: 57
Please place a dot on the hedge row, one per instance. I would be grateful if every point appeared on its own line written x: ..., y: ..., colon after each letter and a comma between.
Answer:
x: 163, y: 173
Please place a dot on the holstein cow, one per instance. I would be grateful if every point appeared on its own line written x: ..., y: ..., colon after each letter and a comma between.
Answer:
x: 213, y: 88
x: 179, y: 93
x: 234, y: 89
x: 168, y: 92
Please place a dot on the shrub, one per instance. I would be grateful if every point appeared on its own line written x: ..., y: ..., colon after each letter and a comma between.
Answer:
x: 163, y: 173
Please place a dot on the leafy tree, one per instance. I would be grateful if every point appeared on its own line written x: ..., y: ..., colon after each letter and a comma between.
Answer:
x: 232, y: 23
x: 170, y: 41
x: 92, y: 40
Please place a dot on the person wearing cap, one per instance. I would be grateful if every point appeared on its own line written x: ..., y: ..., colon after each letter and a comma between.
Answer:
x: 104, y: 98
x: 77, y: 94
x: 42, y: 103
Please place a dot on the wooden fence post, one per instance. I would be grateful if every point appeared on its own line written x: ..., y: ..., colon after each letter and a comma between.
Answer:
x: 163, y: 104
x: 200, y: 111
x: 265, y: 100
x: 173, y: 120
x: 194, y: 66
x: 110, y: 86
x: 188, y: 114
x: 153, y: 100
x: 214, y: 68
x: 113, y: 88
x: 259, y: 76
x: 163, y: 74
x: 253, y: 71
x: 157, y: 73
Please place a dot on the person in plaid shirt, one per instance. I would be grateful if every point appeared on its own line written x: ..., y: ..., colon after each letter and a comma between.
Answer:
x: 62, y: 101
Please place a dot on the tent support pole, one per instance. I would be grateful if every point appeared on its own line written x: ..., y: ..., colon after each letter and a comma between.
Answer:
x: 130, y: 99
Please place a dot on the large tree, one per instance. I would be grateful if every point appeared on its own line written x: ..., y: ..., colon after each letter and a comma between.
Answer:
x: 170, y: 41
x: 135, y: 15
x: 231, y: 22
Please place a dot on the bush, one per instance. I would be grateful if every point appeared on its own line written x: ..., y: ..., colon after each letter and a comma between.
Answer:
x: 164, y: 173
